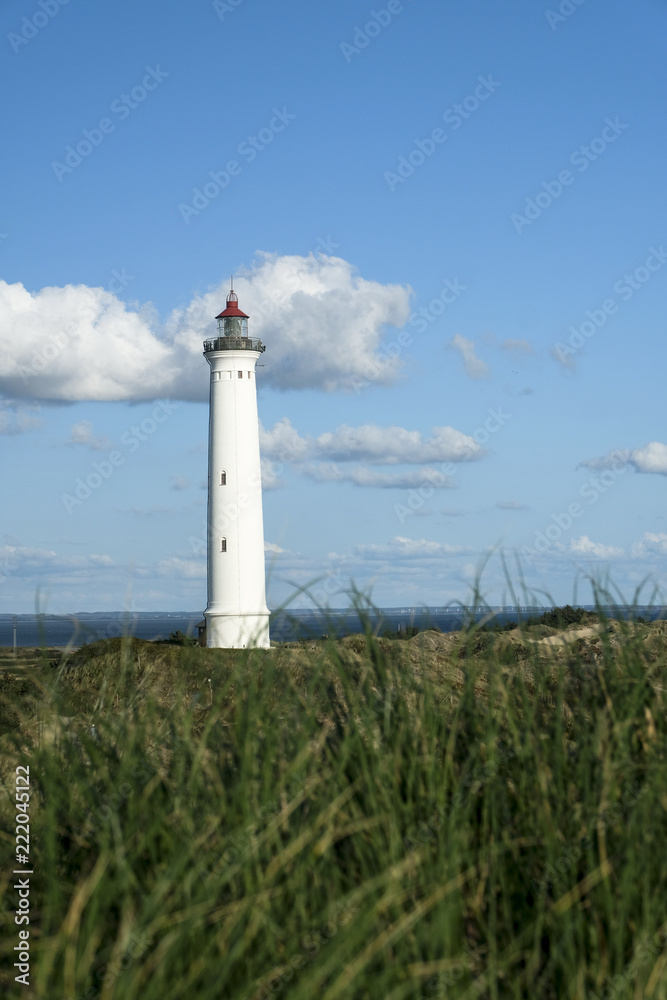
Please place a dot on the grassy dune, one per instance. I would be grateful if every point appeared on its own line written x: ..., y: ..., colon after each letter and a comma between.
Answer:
x: 461, y: 815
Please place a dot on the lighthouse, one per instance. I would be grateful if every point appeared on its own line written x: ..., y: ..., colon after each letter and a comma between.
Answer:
x: 236, y: 615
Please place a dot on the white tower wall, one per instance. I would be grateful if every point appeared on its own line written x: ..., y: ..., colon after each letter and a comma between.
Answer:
x: 236, y: 615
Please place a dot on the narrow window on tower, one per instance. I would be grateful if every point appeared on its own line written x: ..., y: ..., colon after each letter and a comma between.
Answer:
x: 223, y: 544
x: 240, y: 374
x: 223, y: 478
x: 249, y: 375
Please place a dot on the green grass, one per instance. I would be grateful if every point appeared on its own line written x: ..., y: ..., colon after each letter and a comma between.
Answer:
x: 467, y: 815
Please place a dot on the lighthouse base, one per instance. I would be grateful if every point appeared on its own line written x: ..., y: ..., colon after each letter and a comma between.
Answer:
x: 237, y: 631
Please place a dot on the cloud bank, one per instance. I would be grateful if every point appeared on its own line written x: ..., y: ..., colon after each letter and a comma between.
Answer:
x: 411, y: 548
x: 585, y: 547
x: 319, y: 458
x: 322, y: 324
x: 369, y: 443
x: 652, y: 458
x: 23, y: 561
x: 330, y: 472
x: 650, y: 544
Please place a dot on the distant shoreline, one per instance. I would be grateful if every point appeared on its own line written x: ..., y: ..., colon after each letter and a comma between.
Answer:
x: 305, y: 612
x: 59, y: 631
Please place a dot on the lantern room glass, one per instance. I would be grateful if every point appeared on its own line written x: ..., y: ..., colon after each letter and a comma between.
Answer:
x: 233, y: 326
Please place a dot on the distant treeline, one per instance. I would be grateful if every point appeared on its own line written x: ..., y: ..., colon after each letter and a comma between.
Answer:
x: 555, y: 618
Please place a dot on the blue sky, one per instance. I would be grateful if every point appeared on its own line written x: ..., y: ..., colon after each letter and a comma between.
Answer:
x: 446, y: 222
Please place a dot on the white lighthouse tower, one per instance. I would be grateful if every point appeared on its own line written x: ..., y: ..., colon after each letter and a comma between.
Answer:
x: 236, y: 615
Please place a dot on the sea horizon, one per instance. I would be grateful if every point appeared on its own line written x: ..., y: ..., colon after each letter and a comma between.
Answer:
x: 286, y: 624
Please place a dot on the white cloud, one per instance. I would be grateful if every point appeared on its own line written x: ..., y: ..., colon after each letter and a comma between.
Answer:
x: 652, y: 458
x: 282, y: 441
x: 275, y: 549
x: 517, y: 346
x: 410, y: 548
x: 400, y: 572
x: 19, y: 561
x: 395, y: 445
x: 189, y: 569
x: 330, y: 472
x: 650, y: 544
x: 270, y: 478
x: 82, y: 433
x: 321, y: 322
x: 17, y: 418
x: 585, y: 547
x: 100, y: 560
x: 369, y: 443
x: 474, y: 366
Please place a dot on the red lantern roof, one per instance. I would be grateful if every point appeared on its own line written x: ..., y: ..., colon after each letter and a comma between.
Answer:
x: 232, y: 307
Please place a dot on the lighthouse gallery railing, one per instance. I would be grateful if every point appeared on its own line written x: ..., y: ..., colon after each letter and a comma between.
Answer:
x: 234, y: 344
